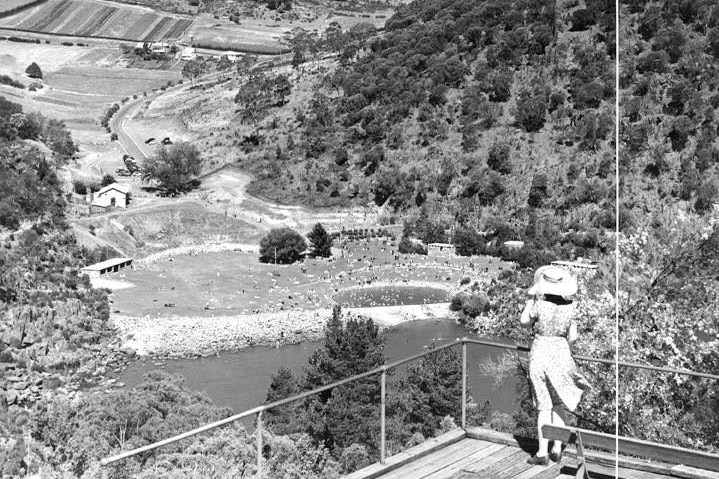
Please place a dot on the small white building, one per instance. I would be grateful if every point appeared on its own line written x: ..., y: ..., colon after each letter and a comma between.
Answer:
x: 114, y: 194
x: 514, y: 244
x: 108, y: 266
x: 188, y: 53
x: 232, y: 56
x: 441, y: 249
x: 160, y: 47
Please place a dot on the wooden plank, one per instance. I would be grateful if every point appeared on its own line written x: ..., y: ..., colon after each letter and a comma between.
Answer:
x: 412, y: 454
x: 491, y: 460
x: 492, y: 436
x: 638, y: 447
x: 540, y: 472
x: 433, y: 462
x: 451, y: 469
x: 534, y: 472
x: 513, y: 470
x: 492, y: 470
x: 608, y: 471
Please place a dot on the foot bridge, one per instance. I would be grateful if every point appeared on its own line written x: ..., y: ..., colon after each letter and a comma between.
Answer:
x: 479, y: 453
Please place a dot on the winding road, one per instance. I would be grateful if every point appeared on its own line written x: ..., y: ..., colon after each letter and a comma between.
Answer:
x: 225, y: 190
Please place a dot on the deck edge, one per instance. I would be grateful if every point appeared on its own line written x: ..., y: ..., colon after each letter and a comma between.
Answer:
x: 409, y: 455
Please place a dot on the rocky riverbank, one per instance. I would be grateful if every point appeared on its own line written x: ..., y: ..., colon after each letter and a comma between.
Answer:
x: 202, y: 336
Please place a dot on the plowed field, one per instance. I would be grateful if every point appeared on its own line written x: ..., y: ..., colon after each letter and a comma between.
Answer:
x: 90, y: 19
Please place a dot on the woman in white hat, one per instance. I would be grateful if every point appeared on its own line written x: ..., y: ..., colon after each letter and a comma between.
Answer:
x: 555, y: 379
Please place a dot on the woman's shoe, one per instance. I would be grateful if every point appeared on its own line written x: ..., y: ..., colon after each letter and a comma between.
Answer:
x: 538, y: 460
x: 555, y: 456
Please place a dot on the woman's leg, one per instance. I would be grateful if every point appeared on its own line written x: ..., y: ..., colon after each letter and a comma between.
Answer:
x: 543, y: 417
x: 557, y: 420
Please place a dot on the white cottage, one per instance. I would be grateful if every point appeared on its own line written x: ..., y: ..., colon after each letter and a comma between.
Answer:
x: 113, y: 194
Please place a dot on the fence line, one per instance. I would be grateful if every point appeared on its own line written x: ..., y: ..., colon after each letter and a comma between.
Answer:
x: 382, y: 371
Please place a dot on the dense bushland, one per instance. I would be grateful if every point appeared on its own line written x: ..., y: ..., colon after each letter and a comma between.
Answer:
x: 669, y: 166
x: 493, y: 117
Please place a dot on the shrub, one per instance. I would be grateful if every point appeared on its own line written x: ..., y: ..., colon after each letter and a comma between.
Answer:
x: 475, y: 304
x: 6, y: 80
x: 657, y: 62
x: 354, y: 457
x: 498, y: 159
x: 582, y: 19
x: 531, y: 113
x: 108, y: 179
x: 498, y: 84
x: 79, y: 187
x: 679, y: 134
x: 588, y: 96
x: 455, y: 303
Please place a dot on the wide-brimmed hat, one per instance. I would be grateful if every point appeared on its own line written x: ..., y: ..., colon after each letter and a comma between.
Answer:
x: 552, y: 279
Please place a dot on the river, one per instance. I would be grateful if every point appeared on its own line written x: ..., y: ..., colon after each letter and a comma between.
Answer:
x: 240, y: 379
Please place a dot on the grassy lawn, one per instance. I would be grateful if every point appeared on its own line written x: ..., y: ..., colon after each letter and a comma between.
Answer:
x: 237, y: 283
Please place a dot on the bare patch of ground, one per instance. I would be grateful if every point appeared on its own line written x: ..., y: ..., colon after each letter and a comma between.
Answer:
x: 235, y: 282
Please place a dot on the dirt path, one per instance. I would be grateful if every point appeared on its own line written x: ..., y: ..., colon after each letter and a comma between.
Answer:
x: 225, y: 191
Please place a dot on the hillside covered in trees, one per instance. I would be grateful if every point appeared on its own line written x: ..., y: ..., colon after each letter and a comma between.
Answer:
x: 490, y: 118
x: 669, y: 187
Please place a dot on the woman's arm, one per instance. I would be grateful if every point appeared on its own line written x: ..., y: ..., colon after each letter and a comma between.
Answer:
x: 528, y: 317
x: 572, y: 333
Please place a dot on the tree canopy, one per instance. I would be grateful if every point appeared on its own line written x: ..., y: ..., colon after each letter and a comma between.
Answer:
x: 174, y: 168
x: 282, y: 246
x: 33, y: 70
x: 320, y: 242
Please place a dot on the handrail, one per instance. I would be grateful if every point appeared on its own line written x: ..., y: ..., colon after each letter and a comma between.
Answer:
x: 382, y: 370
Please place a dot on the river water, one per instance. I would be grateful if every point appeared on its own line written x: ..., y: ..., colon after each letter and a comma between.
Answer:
x: 240, y: 379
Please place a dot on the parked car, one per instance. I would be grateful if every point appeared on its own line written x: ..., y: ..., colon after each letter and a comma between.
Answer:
x: 130, y: 164
x: 166, y: 141
x: 150, y: 141
x: 122, y: 172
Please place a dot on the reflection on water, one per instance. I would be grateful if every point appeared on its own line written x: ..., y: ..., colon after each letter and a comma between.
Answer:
x: 240, y: 379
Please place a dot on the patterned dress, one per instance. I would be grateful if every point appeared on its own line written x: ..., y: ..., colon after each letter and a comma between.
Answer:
x: 552, y: 370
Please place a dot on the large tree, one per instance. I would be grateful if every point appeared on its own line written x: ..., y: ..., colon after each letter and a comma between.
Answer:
x: 193, y: 70
x: 320, y: 242
x: 348, y: 414
x: 33, y: 70
x: 283, y: 246
x: 175, y: 167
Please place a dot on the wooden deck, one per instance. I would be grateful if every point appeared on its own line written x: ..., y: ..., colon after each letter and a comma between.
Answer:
x: 478, y: 459
x: 483, y: 454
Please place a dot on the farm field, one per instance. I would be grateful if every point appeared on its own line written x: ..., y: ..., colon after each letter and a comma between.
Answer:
x: 79, y: 85
x: 235, y: 282
x: 264, y: 35
x: 85, y: 18
x: 116, y: 82
x: 255, y: 39
x: 9, y: 5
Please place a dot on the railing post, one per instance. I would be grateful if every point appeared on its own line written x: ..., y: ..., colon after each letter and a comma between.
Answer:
x: 383, y: 403
x: 464, y: 383
x: 259, y: 445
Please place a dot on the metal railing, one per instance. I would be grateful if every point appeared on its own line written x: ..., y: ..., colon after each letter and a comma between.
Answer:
x: 382, y: 371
